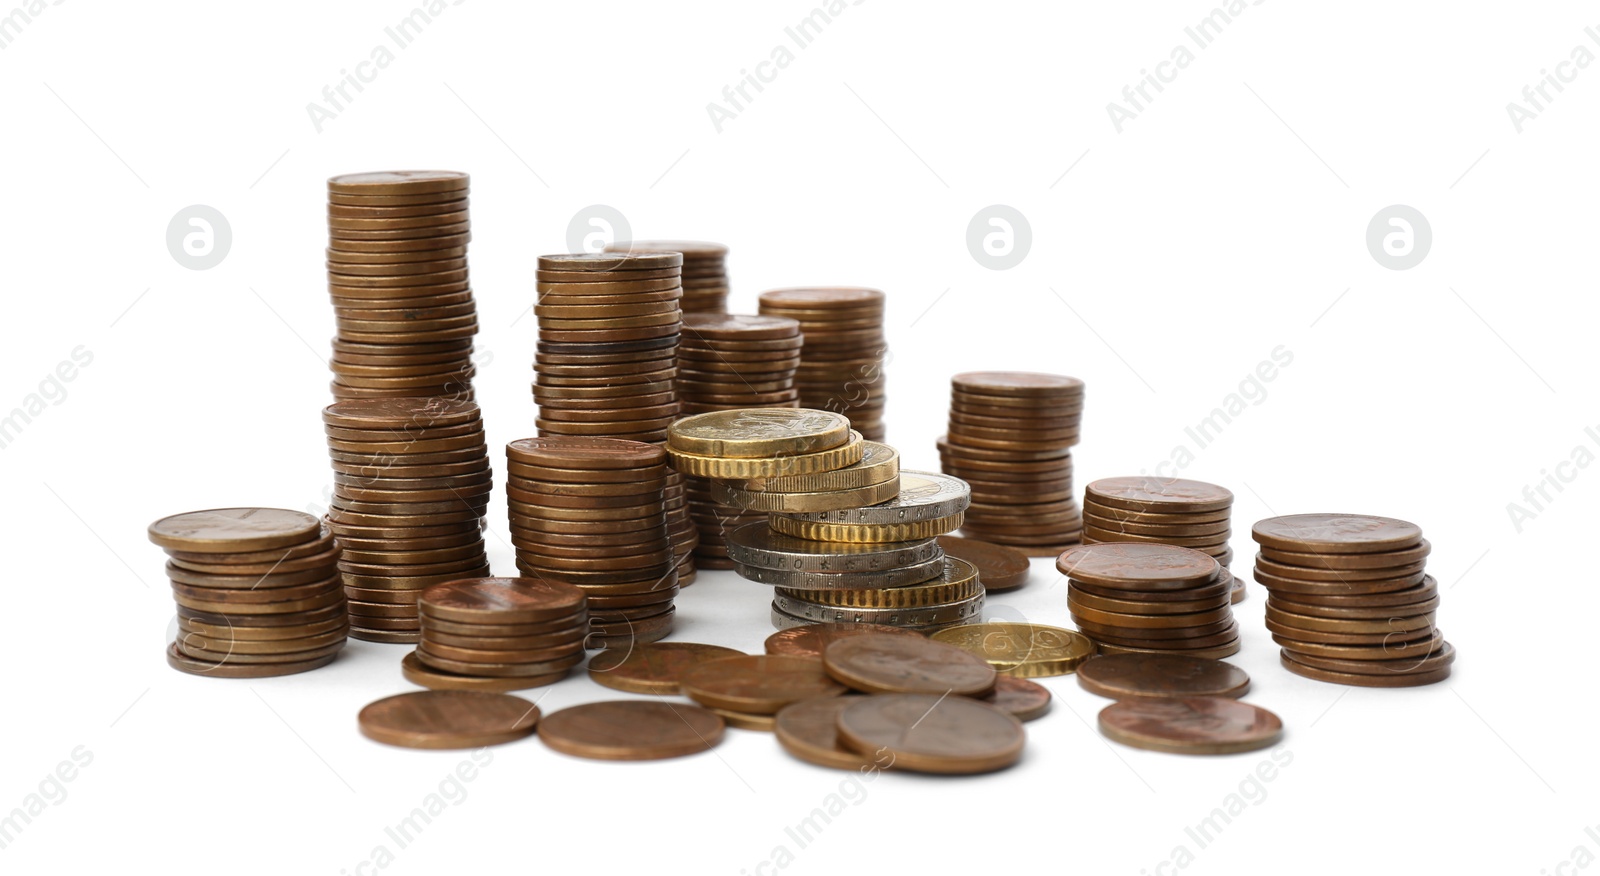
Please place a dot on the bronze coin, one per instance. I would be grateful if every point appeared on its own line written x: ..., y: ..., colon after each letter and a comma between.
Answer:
x: 197, y: 666
x: 581, y: 452
x: 193, y: 648
x: 234, y: 530
x: 1138, y: 566
x: 220, y: 596
x: 1298, y: 573
x: 1397, y: 649
x: 498, y: 670
x: 808, y: 730
x: 1190, y: 725
x: 439, y: 719
x: 1356, y: 679
x: 570, y: 635
x: 902, y: 664
x: 1025, y: 384
x: 1123, y: 676
x: 1336, y: 533
x: 1428, y: 589
x: 931, y: 733
x: 1212, y: 652
x: 1379, y: 560
x: 1129, y: 603
x: 652, y: 668
x: 322, y: 545
x: 242, y: 632
x: 812, y: 639
x: 1348, y: 588
x: 399, y: 413
x: 501, y: 600
x: 1167, y: 495
x: 197, y: 645
x: 432, y: 647
x: 759, y: 684
x: 400, y: 200
x: 399, y: 182
x: 631, y: 730
x: 1022, y: 699
x: 999, y: 567
x: 1441, y: 658
x: 415, y: 672
x: 323, y: 561
x: 559, y: 625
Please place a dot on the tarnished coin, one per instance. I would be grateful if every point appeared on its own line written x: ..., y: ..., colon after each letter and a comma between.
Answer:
x: 760, y: 684
x: 901, y: 664
x: 448, y: 719
x: 631, y: 730
x: 1021, y: 650
x: 234, y: 530
x: 1121, y: 676
x: 1441, y: 658
x: 422, y: 675
x: 182, y: 662
x: 931, y: 733
x: 399, y: 182
x: 1020, y: 384
x: 923, y: 496
x: 811, y: 640
x: 1336, y: 533
x: 1022, y: 699
x: 1190, y: 725
x: 1138, y: 566
x: 1167, y: 495
x: 999, y: 567
x: 1380, y: 560
x: 1432, y: 675
x: 655, y: 668
x: 809, y: 730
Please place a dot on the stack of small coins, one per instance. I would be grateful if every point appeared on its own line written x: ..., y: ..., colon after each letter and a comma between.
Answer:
x: 1150, y: 598
x: 397, y: 273
x: 705, y: 270
x: 257, y: 592
x: 1010, y: 436
x: 498, y: 634
x: 1186, y: 513
x: 727, y: 362
x: 411, y: 483
x: 1350, y: 599
x: 590, y: 512
x: 609, y: 326
x: 841, y: 364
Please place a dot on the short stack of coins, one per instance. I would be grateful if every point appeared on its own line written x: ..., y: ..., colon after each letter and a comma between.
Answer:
x: 705, y: 270
x: 411, y: 483
x: 609, y: 326
x: 1150, y: 599
x: 397, y: 274
x: 1144, y: 509
x: 591, y: 512
x: 727, y: 362
x: 257, y: 591
x: 842, y: 362
x: 498, y: 634
x: 1350, y: 600
x: 1010, y: 436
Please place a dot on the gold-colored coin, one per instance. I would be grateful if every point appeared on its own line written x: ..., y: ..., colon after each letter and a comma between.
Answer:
x: 1021, y: 650
x: 751, y: 433
x: 879, y: 463
x: 860, y: 533
x: 958, y: 582
x: 830, y: 500
x: 727, y: 468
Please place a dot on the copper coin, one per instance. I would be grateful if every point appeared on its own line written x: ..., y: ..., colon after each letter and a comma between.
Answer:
x: 590, y: 262
x: 811, y: 640
x: 234, y: 530
x: 808, y: 729
x: 497, y: 670
x: 448, y: 719
x: 272, y: 556
x: 1397, y: 649
x: 1298, y: 573
x: 1161, y: 675
x: 652, y: 668
x: 903, y: 664
x: 399, y: 182
x: 196, y: 666
x: 931, y: 733
x: 1212, y: 652
x: 631, y: 730
x: 1379, y: 560
x: 760, y: 684
x: 1336, y: 533
x: 1407, y: 679
x: 1190, y: 725
x: 415, y: 672
x: 1348, y: 588
x: 1440, y: 658
x: 1168, y: 495
x: 227, y: 653
x: 1022, y: 699
x: 1427, y: 590
x: 999, y: 567
x: 570, y: 636
x: 1138, y: 566
x: 542, y: 628
x: 402, y: 413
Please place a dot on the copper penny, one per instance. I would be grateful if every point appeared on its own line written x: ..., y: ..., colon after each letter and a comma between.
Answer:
x: 234, y: 530
x: 1138, y: 566
x: 1122, y: 676
x: 999, y: 567
x: 931, y: 733
x: 1400, y: 679
x: 197, y: 666
x: 1022, y: 699
x: 1336, y: 533
x: 421, y: 675
x: 1378, y: 560
x: 448, y: 719
x: 631, y: 730
x: 811, y: 640
x: 760, y: 684
x: 809, y: 731
x: 1190, y: 725
x: 903, y: 664
x: 652, y: 668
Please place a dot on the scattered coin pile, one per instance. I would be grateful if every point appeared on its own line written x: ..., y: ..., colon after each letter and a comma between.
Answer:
x: 609, y: 326
x: 841, y: 364
x: 591, y: 512
x: 1350, y: 600
x: 411, y: 483
x: 1142, y: 509
x: 257, y: 591
x: 498, y: 634
x: 1010, y: 437
x: 1150, y: 598
x: 705, y: 270
x: 727, y: 362
x: 397, y: 274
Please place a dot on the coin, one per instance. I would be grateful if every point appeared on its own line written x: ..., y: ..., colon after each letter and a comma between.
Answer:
x: 833, y: 500
x: 931, y: 733
x: 419, y: 674
x: 843, y: 355
x: 810, y: 640
x: 957, y: 581
x: 999, y: 567
x: 808, y: 730
x: 1138, y: 566
x: 1407, y: 679
x: 631, y: 730
x: 1424, y: 664
x: 652, y: 668
x: 182, y: 662
x: 1161, y: 675
x: 902, y: 664
x: 1167, y: 495
x: 756, y: 545
x: 448, y: 719
x: 1021, y: 649
x: 1018, y: 697
x: 868, y: 533
x: 1336, y: 533
x: 1190, y: 725
x: 501, y: 600
x: 1379, y: 560
x: 844, y: 455
x: 234, y: 530
x: 872, y: 580
x: 961, y: 611
x: 759, y: 684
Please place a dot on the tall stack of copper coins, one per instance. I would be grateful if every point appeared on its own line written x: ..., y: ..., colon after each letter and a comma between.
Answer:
x: 498, y: 634
x: 1150, y: 599
x: 609, y: 326
x: 842, y: 361
x: 1010, y: 436
x: 257, y: 592
x: 1136, y: 509
x: 411, y: 484
x: 727, y: 362
x: 397, y: 274
x: 591, y: 512
x: 705, y: 270
x: 1350, y: 600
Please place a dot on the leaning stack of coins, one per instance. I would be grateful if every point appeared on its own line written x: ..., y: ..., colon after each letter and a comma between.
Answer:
x: 257, y: 591
x: 591, y: 512
x: 841, y: 364
x: 1010, y: 436
x: 1350, y: 600
x: 411, y: 482
x: 498, y: 634
x: 705, y: 270
x: 1186, y: 513
x: 1150, y: 598
x: 727, y: 362
x: 608, y: 346
x: 397, y: 273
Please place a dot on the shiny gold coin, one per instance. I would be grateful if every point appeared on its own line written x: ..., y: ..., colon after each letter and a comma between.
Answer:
x: 865, y: 533
x: 807, y: 463
x: 754, y: 433
x: 834, y: 500
x: 1021, y: 650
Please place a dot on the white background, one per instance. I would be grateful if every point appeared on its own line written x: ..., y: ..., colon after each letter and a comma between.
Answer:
x: 1226, y: 220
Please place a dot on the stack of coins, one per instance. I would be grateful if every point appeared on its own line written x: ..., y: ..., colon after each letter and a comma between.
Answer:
x: 1150, y: 598
x: 727, y: 362
x: 609, y: 325
x: 841, y: 364
x: 1350, y: 600
x: 397, y: 274
x: 591, y: 512
x: 705, y: 270
x: 411, y: 483
x: 1186, y: 513
x: 257, y: 592
x: 1010, y: 436
x: 498, y: 634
